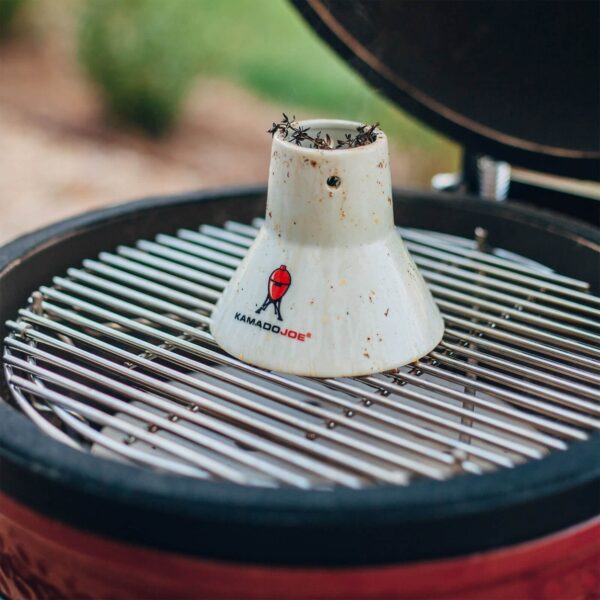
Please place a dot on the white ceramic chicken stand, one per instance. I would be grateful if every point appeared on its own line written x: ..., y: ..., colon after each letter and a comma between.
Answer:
x: 328, y: 288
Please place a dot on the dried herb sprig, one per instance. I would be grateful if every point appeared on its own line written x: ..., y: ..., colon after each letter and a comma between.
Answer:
x: 291, y: 130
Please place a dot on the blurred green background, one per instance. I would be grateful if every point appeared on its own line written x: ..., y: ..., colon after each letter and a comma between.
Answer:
x: 145, y: 53
x: 113, y: 99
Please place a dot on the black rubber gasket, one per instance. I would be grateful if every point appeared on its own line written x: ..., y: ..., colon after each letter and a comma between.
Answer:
x: 383, y: 525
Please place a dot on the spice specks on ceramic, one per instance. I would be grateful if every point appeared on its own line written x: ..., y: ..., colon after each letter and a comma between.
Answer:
x: 328, y: 288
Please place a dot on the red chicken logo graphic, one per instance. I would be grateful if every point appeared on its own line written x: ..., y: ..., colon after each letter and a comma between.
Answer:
x: 279, y: 283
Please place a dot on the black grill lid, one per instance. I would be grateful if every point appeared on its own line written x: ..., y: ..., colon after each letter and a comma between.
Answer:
x: 519, y: 80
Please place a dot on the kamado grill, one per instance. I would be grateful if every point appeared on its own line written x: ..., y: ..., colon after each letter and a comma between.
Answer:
x: 139, y: 460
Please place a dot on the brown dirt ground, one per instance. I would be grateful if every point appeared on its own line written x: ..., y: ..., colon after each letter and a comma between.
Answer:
x: 60, y: 155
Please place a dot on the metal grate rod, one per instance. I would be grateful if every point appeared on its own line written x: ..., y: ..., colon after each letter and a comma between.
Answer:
x: 513, y: 306
x: 109, y: 315
x: 527, y: 281
x: 305, y: 426
x: 229, y: 451
x: 325, y: 415
x: 524, y: 330
x: 299, y: 460
x: 436, y: 241
x: 201, y: 460
x: 566, y: 342
x: 116, y: 358
x: 224, y: 360
x: 397, y: 387
x: 526, y: 357
x: 537, y: 375
x: 520, y: 341
x: 214, y: 232
x: 520, y: 293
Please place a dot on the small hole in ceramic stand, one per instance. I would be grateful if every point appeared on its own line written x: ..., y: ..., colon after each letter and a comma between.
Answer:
x: 334, y: 181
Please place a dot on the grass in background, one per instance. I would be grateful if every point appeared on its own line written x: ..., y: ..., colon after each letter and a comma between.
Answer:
x: 145, y: 53
x: 142, y: 55
x: 267, y: 46
x: 8, y: 11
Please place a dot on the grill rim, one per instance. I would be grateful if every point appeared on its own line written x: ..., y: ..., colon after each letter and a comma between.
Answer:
x: 322, y: 528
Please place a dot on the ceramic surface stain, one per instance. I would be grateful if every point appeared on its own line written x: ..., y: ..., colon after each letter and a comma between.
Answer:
x: 347, y: 261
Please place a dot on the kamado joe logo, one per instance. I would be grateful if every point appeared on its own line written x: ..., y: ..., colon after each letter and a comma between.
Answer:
x: 278, y: 284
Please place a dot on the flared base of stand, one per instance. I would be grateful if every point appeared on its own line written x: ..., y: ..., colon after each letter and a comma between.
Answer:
x: 327, y: 312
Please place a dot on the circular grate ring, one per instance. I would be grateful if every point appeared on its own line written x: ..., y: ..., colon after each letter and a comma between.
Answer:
x: 116, y: 359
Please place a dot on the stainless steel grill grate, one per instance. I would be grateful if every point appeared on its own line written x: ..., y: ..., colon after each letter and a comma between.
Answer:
x: 116, y: 359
